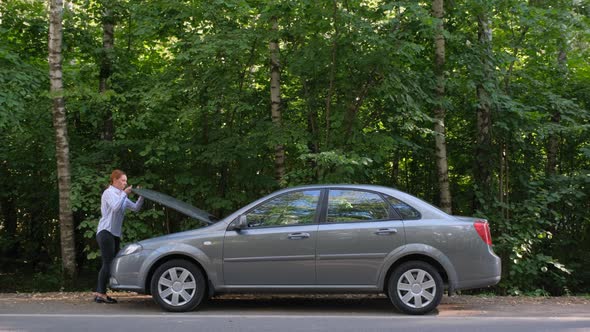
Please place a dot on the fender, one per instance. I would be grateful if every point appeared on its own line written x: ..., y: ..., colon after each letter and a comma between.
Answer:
x: 418, y: 249
x: 182, y: 249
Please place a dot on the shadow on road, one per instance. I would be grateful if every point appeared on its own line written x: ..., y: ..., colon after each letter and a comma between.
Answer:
x: 309, y: 305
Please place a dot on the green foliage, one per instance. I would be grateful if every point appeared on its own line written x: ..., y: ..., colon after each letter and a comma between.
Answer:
x: 189, y: 96
x: 330, y: 167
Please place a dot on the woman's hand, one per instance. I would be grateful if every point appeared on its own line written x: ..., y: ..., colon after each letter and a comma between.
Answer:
x: 128, y: 190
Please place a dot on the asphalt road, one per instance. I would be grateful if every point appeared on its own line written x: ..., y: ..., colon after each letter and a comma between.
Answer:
x: 283, y: 313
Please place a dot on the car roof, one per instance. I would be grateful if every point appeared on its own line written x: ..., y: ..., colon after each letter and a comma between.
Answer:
x: 341, y: 185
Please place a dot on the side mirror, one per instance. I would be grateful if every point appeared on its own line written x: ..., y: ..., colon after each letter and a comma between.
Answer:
x: 242, y: 223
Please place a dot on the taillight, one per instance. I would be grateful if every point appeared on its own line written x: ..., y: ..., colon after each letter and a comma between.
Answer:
x: 483, y: 229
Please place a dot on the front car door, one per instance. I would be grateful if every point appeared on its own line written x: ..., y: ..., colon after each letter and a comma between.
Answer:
x: 359, y: 230
x: 278, y: 246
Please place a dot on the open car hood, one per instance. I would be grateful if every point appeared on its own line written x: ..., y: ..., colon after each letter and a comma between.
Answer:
x: 175, y: 204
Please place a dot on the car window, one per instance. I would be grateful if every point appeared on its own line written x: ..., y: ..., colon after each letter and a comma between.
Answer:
x: 405, y: 211
x: 295, y: 208
x: 355, y: 205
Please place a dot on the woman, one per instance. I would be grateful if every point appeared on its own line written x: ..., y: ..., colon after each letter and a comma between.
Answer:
x: 113, y: 204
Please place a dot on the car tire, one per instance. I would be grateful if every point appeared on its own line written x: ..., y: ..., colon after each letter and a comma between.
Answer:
x: 415, y: 288
x: 178, y: 285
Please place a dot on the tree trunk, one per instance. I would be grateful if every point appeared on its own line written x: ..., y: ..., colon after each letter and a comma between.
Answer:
x: 553, y: 140
x: 275, y: 100
x: 504, y: 180
x: 394, y: 174
x: 9, y: 225
x: 313, y: 144
x: 354, y: 107
x: 553, y: 146
x: 68, y: 247
x: 108, y: 41
x: 332, y: 73
x: 442, y: 165
x: 484, y: 112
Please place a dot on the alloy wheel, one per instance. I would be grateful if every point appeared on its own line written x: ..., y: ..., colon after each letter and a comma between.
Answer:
x: 416, y: 288
x: 177, y: 286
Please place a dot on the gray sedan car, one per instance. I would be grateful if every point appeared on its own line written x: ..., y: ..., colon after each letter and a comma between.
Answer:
x: 312, y: 239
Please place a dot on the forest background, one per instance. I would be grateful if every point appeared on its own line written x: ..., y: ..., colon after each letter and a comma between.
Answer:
x: 481, y: 107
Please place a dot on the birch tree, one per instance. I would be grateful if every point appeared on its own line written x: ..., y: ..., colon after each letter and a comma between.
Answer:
x: 275, y: 98
x: 442, y: 165
x: 66, y: 223
x: 108, y: 41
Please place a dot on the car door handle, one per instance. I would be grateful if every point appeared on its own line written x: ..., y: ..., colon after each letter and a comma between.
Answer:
x: 386, y: 231
x: 298, y: 236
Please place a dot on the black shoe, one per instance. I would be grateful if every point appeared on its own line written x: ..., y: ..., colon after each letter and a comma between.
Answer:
x: 108, y: 300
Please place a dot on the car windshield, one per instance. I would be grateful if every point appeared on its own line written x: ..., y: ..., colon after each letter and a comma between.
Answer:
x: 177, y: 205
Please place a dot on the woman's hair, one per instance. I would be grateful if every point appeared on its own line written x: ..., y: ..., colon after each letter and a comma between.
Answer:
x: 116, y: 174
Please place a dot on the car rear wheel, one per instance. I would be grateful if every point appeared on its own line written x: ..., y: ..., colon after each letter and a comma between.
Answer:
x: 415, y: 288
x: 178, y: 285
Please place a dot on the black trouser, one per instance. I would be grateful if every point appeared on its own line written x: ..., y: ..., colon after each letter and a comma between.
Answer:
x: 109, y: 246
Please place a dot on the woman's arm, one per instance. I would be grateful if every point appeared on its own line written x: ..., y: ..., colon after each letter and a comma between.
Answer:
x: 134, y: 206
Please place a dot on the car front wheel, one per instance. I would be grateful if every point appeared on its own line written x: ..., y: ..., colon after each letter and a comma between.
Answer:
x: 178, y: 285
x: 415, y: 288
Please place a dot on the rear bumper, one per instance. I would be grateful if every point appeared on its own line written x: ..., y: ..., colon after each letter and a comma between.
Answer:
x: 491, y: 276
x: 479, y: 283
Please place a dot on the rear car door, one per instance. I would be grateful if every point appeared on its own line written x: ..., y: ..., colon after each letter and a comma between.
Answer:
x: 359, y: 230
x: 278, y: 246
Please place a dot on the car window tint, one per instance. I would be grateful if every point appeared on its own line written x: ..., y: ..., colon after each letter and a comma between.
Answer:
x: 404, y: 210
x: 355, y: 205
x: 296, y: 208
